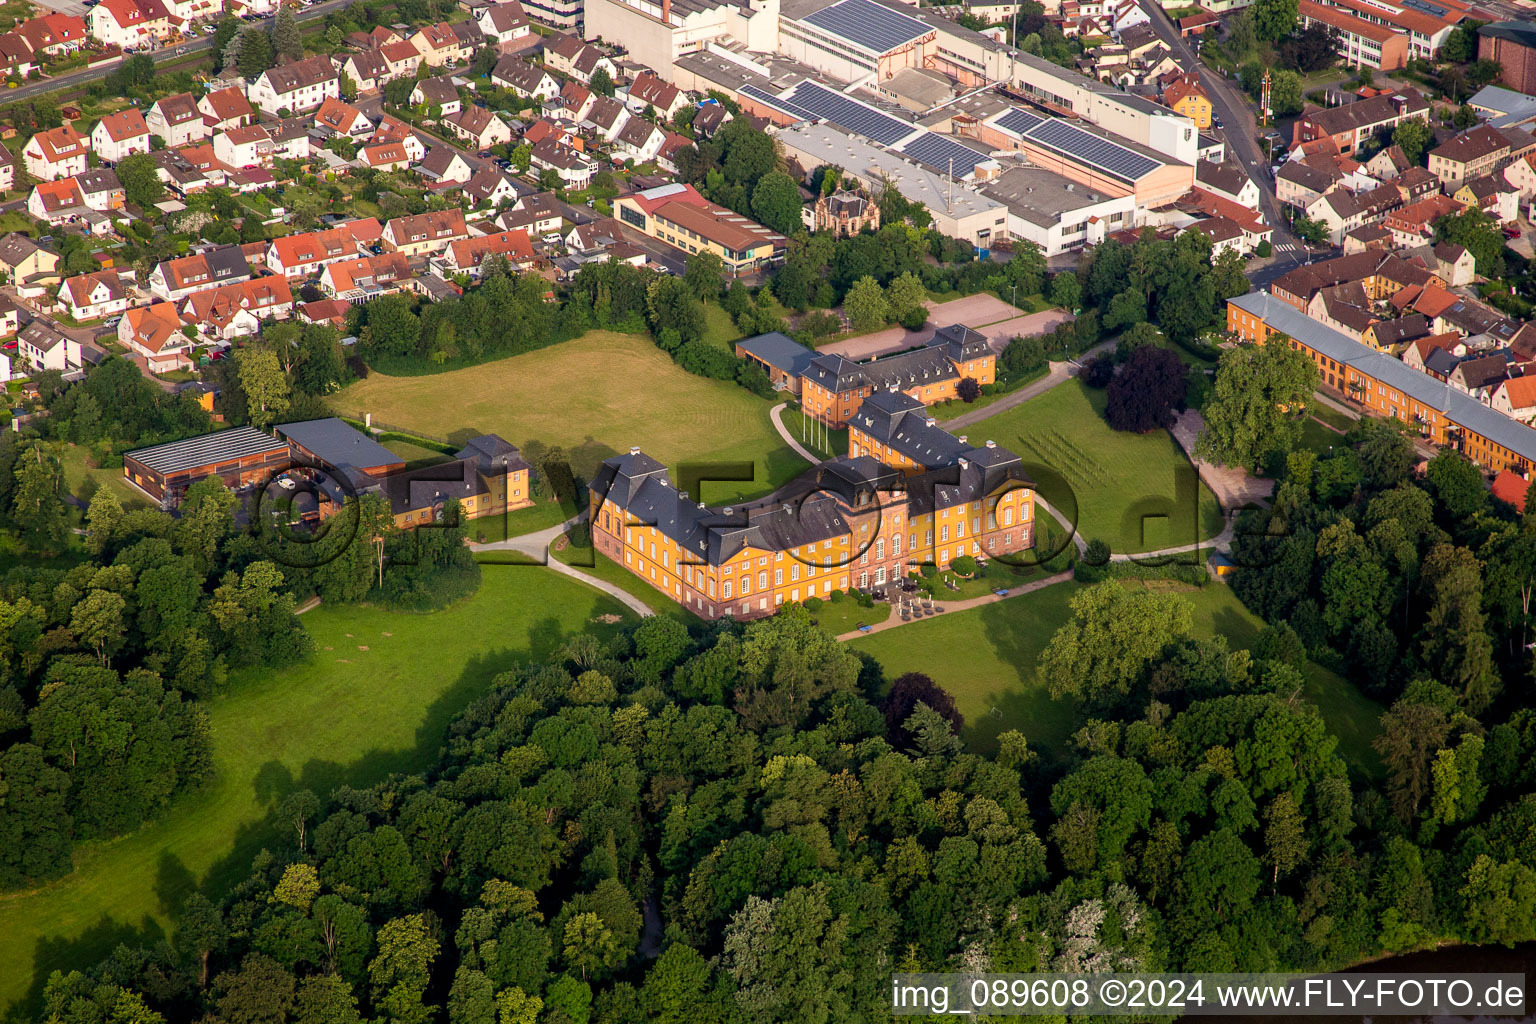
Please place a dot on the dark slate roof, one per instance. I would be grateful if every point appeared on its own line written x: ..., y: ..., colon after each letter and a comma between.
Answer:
x: 493, y: 455
x: 779, y: 351
x: 338, y: 444
x: 1404, y: 328
x: 418, y: 489
x: 1460, y: 408
x: 915, y: 368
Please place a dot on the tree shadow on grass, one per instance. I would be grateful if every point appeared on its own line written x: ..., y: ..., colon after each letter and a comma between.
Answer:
x: 273, y: 782
x: 1018, y: 631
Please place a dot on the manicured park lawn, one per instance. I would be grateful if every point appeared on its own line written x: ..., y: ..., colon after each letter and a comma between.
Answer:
x: 606, y: 569
x: 718, y: 327
x: 594, y: 397
x: 985, y: 657
x: 1138, y: 492
x: 374, y: 699
x: 415, y: 454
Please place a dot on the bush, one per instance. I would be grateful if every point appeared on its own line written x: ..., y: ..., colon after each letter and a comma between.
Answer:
x: 836, y: 597
x: 965, y: 565
x: 813, y: 604
x: 1097, y: 552
x: 1099, y: 371
x: 929, y: 570
x: 1264, y: 249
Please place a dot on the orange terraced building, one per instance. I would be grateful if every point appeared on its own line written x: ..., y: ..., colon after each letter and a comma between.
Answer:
x: 832, y: 387
x: 858, y: 522
x: 1385, y: 386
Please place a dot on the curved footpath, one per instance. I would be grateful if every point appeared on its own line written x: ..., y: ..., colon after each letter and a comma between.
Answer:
x: 536, y: 545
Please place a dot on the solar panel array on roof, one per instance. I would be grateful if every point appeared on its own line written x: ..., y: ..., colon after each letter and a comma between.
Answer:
x: 856, y: 117
x: 937, y: 151
x: 769, y: 99
x: 207, y: 449
x: 864, y: 23
x: 1104, y: 155
x: 1427, y: 8
x: 1019, y: 121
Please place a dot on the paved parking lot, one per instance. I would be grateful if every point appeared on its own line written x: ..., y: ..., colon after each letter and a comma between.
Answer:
x: 74, y: 7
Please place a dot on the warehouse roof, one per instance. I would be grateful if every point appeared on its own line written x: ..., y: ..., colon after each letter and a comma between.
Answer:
x: 207, y: 450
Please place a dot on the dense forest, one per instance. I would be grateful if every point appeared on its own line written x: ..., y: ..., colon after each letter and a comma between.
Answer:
x: 751, y: 823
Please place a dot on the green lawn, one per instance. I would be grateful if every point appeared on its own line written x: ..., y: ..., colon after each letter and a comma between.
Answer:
x: 606, y: 569
x: 1136, y: 491
x: 719, y: 329
x: 415, y: 454
x: 375, y: 699
x: 594, y: 397
x: 996, y: 688
x: 538, y: 516
x: 839, y: 617
x: 83, y: 480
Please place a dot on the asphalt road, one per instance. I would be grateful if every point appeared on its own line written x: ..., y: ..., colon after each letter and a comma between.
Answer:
x: 200, y: 44
x: 1240, y: 126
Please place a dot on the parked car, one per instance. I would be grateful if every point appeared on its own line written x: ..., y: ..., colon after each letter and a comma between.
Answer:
x: 1512, y: 232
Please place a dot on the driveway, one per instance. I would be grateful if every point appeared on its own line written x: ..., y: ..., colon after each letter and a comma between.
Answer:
x: 974, y: 311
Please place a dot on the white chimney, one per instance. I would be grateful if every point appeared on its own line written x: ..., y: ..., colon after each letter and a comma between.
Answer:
x: 991, y: 444
x: 634, y: 450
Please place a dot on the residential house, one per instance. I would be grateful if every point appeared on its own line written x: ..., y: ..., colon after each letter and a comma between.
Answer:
x: 304, y: 255
x: 10, y: 318
x: 1299, y: 184
x: 1185, y: 95
x: 491, y: 187
x: 129, y: 24
x: 505, y: 26
x: 1455, y: 265
x: 56, y: 202
x: 299, y: 86
x: 223, y: 109
x: 31, y: 268
x: 180, y: 174
x: 438, y: 45
x: 573, y: 169
x: 176, y: 121
x: 55, y: 153
x: 1341, y: 211
x: 1515, y: 397
x: 444, y: 167
x: 238, y: 310
x: 424, y: 232
x: 440, y: 93
x: 366, y: 277
x: 392, y: 129
x: 343, y: 119
x: 43, y: 346
x: 259, y: 145
x: 1394, y: 335
x: 401, y: 58
x: 528, y: 81
x: 7, y: 170
x: 1228, y: 181
x: 1418, y: 353
x: 154, y: 332
x: 1351, y: 125
x: 478, y: 127
x: 214, y: 267
x: 535, y: 213
x: 575, y: 101
x: 606, y: 118
x: 470, y: 36
x: 367, y: 70
x: 638, y: 141
x: 1415, y: 222
x: 93, y: 296
x: 385, y: 156
x: 119, y: 135
x: 1472, y: 154
x: 465, y: 255
x: 648, y: 91
x: 332, y: 312
x: 1479, y: 375
x: 101, y: 189
x: 666, y: 156
x: 1493, y: 195
x: 588, y: 62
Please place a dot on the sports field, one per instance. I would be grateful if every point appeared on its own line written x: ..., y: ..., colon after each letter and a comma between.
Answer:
x: 1138, y: 492
x: 986, y: 659
x: 595, y: 396
x: 375, y: 699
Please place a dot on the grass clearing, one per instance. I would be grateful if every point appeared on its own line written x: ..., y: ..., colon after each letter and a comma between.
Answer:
x: 606, y: 569
x: 595, y: 396
x: 83, y: 480
x: 719, y: 329
x: 1138, y: 492
x: 415, y: 454
x: 375, y: 699
x: 996, y: 688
